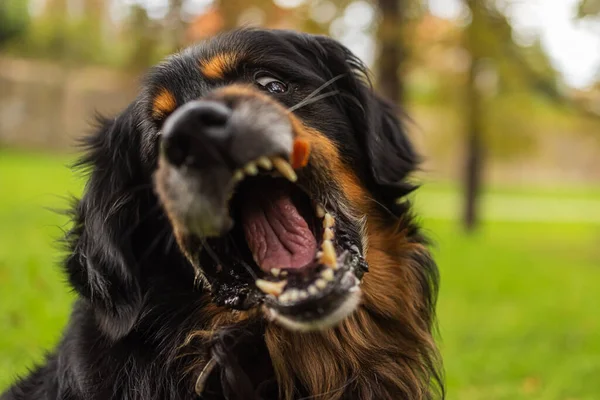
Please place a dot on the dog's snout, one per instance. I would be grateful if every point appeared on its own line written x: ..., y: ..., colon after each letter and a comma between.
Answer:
x: 198, y: 134
x: 208, y: 143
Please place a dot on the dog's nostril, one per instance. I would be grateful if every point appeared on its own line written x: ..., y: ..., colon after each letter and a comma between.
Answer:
x: 213, y: 114
x: 197, y: 134
x: 176, y: 149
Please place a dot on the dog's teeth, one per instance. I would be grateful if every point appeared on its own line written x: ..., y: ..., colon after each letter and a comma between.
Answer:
x: 268, y: 287
x: 251, y: 169
x: 328, y: 258
x: 303, y: 294
x: 264, y: 162
x: 284, y: 298
x: 275, y: 271
x: 312, y: 289
x: 238, y: 175
x: 285, y: 169
x: 284, y: 273
x: 320, y: 211
x: 321, y: 283
x: 328, y: 221
x: 328, y: 234
x: 327, y: 274
x: 294, y: 295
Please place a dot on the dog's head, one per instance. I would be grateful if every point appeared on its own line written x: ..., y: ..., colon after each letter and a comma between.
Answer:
x: 259, y: 171
x: 266, y: 151
x: 271, y: 145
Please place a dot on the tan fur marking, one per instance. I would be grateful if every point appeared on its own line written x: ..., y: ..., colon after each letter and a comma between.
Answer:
x: 163, y: 104
x: 219, y: 65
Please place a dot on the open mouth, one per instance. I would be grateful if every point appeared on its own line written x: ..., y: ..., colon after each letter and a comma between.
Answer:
x: 286, y: 250
x: 264, y: 226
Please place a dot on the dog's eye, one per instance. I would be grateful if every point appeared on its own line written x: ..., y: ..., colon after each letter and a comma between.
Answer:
x: 272, y: 85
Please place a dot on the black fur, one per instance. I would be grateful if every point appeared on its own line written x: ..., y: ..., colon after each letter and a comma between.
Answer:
x: 137, y: 295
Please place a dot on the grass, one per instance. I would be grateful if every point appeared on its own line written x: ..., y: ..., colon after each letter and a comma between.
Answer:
x: 517, y: 309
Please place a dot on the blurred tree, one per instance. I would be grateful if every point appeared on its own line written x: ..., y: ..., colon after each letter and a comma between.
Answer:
x: 474, y: 150
x: 143, y: 39
x: 588, y: 7
x: 392, y: 49
x: 13, y: 19
x: 174, y: 26
x: 395, y: 31
x: 505, y: 84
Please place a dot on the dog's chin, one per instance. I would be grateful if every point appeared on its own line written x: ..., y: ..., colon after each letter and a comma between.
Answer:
x: 283, y: 251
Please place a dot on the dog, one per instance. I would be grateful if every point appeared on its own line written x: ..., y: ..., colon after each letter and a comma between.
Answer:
x: 244, y: 233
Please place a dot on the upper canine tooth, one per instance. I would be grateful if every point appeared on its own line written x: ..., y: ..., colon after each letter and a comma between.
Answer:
x: 327, y: 234
x: 238, y: 175
x: 275, y: 271
x: 328, y: 221
x: 320, y: 211
x: 268, y: 287
x: 285, y: 169
x: 328, y: 258
x: 264, y: 162
x: 251, y: 169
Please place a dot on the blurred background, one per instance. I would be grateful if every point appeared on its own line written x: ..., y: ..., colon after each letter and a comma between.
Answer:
x: 504, y: 99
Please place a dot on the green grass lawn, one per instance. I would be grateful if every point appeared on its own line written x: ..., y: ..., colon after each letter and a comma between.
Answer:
x: 518, y: 307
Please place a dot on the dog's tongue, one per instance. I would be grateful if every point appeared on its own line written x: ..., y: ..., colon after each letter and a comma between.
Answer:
x: 276, y: 233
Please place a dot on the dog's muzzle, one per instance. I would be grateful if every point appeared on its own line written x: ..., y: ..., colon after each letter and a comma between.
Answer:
x: 209, y: 142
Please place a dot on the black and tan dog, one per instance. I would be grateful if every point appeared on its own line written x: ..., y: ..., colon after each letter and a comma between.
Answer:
x: 240, y: 237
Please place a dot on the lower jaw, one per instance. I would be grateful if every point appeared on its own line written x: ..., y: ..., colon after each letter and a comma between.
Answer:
x: 318, y: 319
x: 326, y: 307
x: 324, y: 310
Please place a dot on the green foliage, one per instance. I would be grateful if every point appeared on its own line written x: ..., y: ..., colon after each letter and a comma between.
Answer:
x: 588, y: 7
x: 517, y: 307
x: 13, y: 19
x: 58, y: 37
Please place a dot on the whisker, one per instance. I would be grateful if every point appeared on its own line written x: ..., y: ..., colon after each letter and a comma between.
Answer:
x: 323, y: 86
x: 169, y: 244
x: 210, y: 251
x: 153, y: 245
x: 249, y: 269
x: 152, y: 211
x: 305, y: 103
x: 244, y: 264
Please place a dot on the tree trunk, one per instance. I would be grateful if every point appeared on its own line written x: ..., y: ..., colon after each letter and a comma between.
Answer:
x: 474, y: 158
x: 473, y: 115
x: 391, y: 50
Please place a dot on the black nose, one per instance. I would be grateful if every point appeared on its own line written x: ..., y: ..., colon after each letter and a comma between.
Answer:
x: 198, y: 134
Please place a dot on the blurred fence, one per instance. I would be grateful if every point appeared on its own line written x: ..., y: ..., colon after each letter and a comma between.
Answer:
x: 48, y: 105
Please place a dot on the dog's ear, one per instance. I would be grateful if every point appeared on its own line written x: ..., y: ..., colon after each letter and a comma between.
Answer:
x: 102, y: 266
x: 391, y: 156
